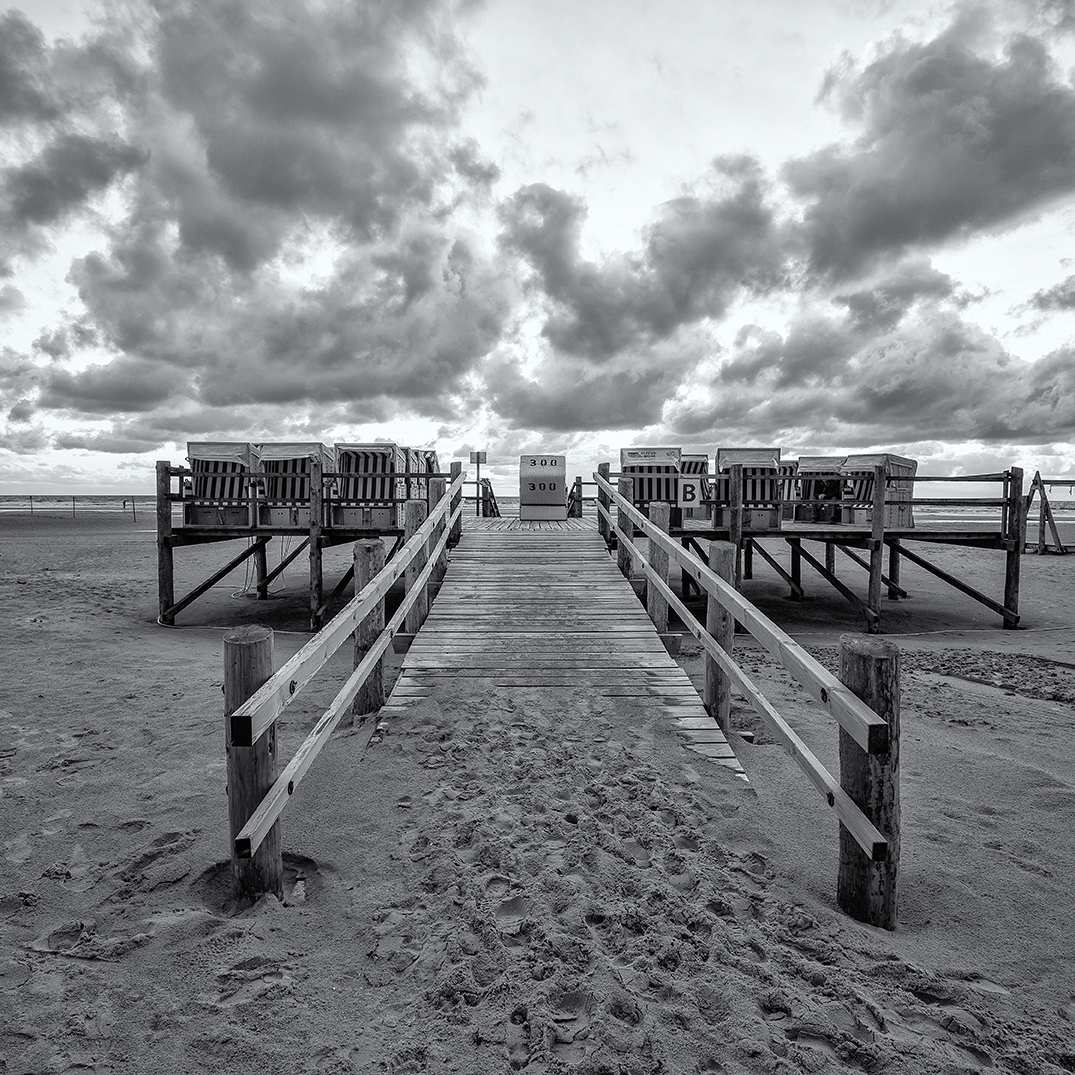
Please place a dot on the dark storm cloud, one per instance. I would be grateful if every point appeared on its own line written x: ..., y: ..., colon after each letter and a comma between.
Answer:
x: 1059, y: 297
x: 125, y: 384
x: 63, y: 177
x: 25, y: 92
x: 22, y: 411
x: 704, y: 249
x: 953, y: 142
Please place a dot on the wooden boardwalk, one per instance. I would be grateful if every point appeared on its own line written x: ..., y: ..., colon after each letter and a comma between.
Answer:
x: 542, y: 605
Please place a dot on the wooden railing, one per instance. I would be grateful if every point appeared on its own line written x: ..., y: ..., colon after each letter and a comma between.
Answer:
x: 257, y: 795
x: 870, y: 777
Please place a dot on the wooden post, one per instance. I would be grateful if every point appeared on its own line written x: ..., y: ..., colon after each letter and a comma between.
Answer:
x: 369, y: 563
x: 165, y: 564
x: 248, y: 663
x: 1015, y: 538
x: 457, y: 527
x: 317, y: 579
x: 877, y: 548
x: 603, y: 470
x: 735, y: 482
x: 867, y: 890
x: 625, y: 487
x: 894, y: 589
x: 31, y: 503
x: 830, y: 557
x: 438, y: 489
x: 261, y: 569
x: 796, y: 568
x: 660, y: 514
x: 415, y: 515
x: 748, y: 558
x: 717, y: 690
x: 72, y: 507
x: 576, y: 499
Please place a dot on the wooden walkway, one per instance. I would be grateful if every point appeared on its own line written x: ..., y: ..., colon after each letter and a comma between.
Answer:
x: 542, y: 605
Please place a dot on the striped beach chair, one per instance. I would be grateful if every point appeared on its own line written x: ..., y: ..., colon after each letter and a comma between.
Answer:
x: 819, y: 479
x: 285, y: 499
x: 858, y: 476
x: 371, y: 486
x: 695, y: 465
x: 762, y: 486
x: 221, y: 493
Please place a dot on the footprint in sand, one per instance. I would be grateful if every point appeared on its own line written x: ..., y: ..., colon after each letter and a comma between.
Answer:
x: 571, y: 1025
x: 248, y: 980
x: 517, y: 1038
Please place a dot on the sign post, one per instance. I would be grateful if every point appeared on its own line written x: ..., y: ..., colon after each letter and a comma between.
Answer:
x: 478, y: 458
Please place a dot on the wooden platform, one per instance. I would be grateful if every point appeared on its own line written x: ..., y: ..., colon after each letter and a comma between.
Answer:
x: 541, y: 605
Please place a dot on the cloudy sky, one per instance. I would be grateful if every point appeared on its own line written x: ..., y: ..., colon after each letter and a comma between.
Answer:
x: 527, y: 225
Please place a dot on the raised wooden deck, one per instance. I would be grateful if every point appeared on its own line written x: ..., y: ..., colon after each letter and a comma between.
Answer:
x: 541, y: 605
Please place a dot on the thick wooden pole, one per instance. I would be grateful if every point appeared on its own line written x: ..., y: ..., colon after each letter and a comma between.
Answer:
x: 748, y: 558
x: 261, y: 569
x: 438, y: 489
x: 877, y: 549
x: 660, y: 514
x: 248, y: 663
x: 894, y: 588
x: 796, y: 569
x: 603, y: 470
x: 369, y: 562
x: 1015, y: 537
x: 735, y: 483
x: 165, y: 564
x: 830, y: 557
x: 415, y: 515
x: 717, y: 689
x: 455, y: 470
x: 867, y: 890
x: 626, y: 488
x: 317, y: 578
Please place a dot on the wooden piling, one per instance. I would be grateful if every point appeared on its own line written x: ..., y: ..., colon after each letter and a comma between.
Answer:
x: 414, y: 515
x: 735, y: 483
x: 626, y: 488
x: 317, y: 578
x: 261, y: 570
x: 603, y: 470
x: 830, y: 557
x: 454, y: 471
x: 877, y: 549
x: 867, y: 890
x: 369, y: 562
x: 437, y: 491
x: 717, y: 688
x: 165, y: 565
x: 1015, y: 538
x: 660, y: 514
x: 895, y: 591
x: 251, y: 770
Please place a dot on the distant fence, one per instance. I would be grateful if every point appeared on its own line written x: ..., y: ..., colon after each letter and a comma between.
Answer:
x: 865, y: 705
x: 255, y: 696
x: 58, y: 506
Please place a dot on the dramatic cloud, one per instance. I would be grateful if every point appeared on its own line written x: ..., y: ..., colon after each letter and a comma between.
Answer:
x: 1060, y: 297
x: 952, y: 142
x: 703, y: 250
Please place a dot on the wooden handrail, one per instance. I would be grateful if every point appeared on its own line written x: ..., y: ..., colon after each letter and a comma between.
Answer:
x: 272, y: 806
x: 258, y: 712
x: 854, y: 820
x: 856, y: 718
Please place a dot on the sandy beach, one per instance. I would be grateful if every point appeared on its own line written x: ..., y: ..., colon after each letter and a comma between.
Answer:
x: 521, y: 883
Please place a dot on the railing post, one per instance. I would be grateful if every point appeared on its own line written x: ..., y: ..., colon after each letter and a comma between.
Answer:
x: 717, y: 689
x: 437, y: 492
x: 877, y: 547
x: 251, y: 770
x: 735, y: 484
x: 575, y: 511
x: 603, y: 471
x: 369, y: 563
x: 415, y: 515
x: 867, y: 890
x: 317, y: 577
x: 165, y: 563
x: 625, y: 487
x: 457, y: 527
x: 660, y: 514
x: 1016, y: 536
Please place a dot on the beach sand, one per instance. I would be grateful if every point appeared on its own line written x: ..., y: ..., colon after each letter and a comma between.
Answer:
x: 507, y: 883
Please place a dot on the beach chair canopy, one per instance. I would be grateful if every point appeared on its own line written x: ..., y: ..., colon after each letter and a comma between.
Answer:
x: 768, y: 458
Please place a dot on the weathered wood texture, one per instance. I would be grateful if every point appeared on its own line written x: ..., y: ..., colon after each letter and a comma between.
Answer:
x: 720, y: 624
x: 866, y: 889
x: 544, y: 607
x: 369, y: 562
x: 660, y: 515
x: 251, y: 770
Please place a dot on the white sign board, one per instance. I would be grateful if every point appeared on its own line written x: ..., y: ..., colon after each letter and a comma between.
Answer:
x: 650, y: 457
x: 690, y: 492
x: 477, y: 457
